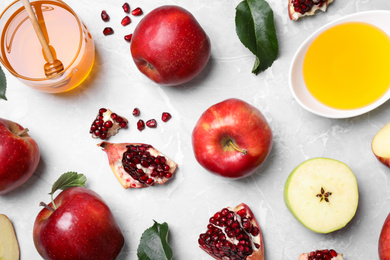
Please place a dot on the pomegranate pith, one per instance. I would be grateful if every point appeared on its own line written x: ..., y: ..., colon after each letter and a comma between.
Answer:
x: 138, y: 165
x: 233, y: 233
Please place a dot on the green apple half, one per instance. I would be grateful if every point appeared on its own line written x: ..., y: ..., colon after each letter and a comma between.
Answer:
x: 322, y: 194
x: 9, y: 246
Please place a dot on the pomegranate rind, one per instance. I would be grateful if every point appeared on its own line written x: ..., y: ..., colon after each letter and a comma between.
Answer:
x: 296, y: 15
x: 258, y: 253
x: 305, y: 256
x: 115, y: 153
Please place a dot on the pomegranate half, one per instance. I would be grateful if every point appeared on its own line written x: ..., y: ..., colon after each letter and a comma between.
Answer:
x: 300, y: 8
x: 233, y: 233
x: 137, y: 165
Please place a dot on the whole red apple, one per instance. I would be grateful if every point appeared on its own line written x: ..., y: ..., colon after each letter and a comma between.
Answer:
x: 82, y: 227
x: 169, y: 46
x: 19, y: 155
x: 384, y: 241
x: 232, y: 139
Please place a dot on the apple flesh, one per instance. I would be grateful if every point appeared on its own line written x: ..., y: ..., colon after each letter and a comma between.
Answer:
x: 81, y: 228
x: 19, y: 155
x: 232, y: 139
x: 9, y: 246
x: 380, y: 145
x: 384, y: 240
x: 169, y: 46
x: 322, y: 194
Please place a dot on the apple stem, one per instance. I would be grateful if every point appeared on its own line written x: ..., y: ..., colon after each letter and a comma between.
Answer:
x: 46, y: 206
x: 25, y: 130
x: 235, y: 147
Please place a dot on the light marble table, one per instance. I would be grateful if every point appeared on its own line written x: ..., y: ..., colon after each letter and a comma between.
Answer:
x: 60, y: 125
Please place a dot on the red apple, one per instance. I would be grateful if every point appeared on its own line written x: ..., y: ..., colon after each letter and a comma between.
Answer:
x: 81, y: 228
x: 19, y: 155
x: 232, y: 139
x: 384, y: 241
x: 169, y: 46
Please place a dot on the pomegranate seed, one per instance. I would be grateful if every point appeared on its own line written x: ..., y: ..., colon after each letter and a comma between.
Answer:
x: 137, y: 11
x: 165, y: 116
x: 123, y: 124
x: 108, y: 124
x: 140, y: 125
x: 128, y: 37
x: 136, y: 112
x: 126, y: 7
x: 102, y: 110
x: 105, y: 16
x: 108, y: 31
x: 151, y: 123
x: 126, y: 21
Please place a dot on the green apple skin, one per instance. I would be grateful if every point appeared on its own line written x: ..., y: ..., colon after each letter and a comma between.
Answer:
x: 290, y: 208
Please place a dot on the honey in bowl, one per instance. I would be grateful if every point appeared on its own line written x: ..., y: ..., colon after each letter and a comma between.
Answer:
x: 348, y: 65
x: 68, y: 37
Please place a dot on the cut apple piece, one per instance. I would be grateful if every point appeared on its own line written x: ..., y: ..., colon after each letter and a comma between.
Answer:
x: 380, y: 145
x: 322, y: 194
x: 9, y: 247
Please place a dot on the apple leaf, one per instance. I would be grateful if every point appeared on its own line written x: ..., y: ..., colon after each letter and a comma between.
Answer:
x: 256, y: 30
x: 3, y: 84
x: 67, y: 180
x: 154, y: 243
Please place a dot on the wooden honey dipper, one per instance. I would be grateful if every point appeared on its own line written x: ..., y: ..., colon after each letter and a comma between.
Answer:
x: 53, y: 67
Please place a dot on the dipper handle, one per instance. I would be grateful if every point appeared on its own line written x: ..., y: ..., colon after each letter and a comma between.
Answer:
x: 53, y: 66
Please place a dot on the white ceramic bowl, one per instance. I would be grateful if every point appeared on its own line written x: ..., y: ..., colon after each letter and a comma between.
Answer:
x: 380, y: 19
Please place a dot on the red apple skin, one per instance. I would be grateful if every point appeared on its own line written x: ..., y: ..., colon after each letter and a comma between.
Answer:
x: 169, y: 46
x: 245, y: 126
x: 384, y: 241
x: 81, y: 228
x: 19, y: 155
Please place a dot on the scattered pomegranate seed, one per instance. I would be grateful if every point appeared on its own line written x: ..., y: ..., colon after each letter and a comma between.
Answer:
x: 140, y: 125
x: 165, y: 116
x: 108, y: 31
x: 137, y: 12
x: 126, y: 21
x: 105, y: 16
x: 136, y: 112
x: 128, y: 37
x: 126, y: 7
x: 151, y: 123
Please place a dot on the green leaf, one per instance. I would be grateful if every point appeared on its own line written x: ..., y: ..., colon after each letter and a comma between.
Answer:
x: 3, y: 84
x: 67, y: 180
x: 256, y: 30
x: 154, y: 243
